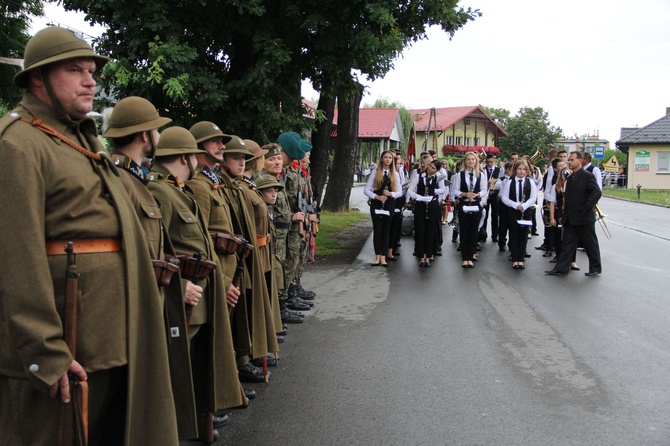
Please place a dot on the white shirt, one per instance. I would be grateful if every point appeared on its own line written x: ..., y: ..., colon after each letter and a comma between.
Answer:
x: 530, y: 201
x: 596, y: 173
x: 457, y: 188
x: 369, y: 186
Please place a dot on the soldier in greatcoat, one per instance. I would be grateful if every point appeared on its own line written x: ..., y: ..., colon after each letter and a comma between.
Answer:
x: 132, y: 127
x: 59, y: 186
x: 212, y: 357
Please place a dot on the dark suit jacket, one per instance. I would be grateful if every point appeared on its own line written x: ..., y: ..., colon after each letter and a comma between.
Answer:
x: 581, y: 195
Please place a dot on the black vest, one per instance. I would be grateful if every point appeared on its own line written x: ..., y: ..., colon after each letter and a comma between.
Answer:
x: 526, y: 189
x: 478, y: 185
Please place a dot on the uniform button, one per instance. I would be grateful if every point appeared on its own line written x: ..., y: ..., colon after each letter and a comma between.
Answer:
x: 151, y: 214
x: 34, y: 368
x: 14, y: 114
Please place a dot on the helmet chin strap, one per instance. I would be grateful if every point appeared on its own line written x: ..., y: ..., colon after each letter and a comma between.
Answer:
x: 61, y: 114
x: 191, y: 168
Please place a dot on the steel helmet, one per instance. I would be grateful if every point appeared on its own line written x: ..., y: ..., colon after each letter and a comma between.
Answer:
x: 176, y: 141
x: 54, y: 44
x: 133, y: 115
x: 204, y: 130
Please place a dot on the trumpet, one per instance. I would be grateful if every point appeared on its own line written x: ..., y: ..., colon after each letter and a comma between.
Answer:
x: 600, y: 217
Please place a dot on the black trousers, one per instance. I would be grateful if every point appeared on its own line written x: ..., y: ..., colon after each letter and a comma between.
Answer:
x: 518, y: 235
x: 426, y: 225
x: 571, y: 236
x: 503, y: 224
x: 381, y: 225
x: 468, y: 226
x: 396, y: 223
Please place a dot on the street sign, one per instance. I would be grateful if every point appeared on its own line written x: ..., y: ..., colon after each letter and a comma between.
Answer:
x: 612, y: 165
x: 599, y: 152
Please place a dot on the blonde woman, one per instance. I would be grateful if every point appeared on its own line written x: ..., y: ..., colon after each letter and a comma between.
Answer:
x: 470, y: 188
x: 382, y: 188
x: 519, y: 195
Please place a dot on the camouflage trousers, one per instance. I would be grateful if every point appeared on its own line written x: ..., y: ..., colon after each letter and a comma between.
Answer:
x: 293, y: 257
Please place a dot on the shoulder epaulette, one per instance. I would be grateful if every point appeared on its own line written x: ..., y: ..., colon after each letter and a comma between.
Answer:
x: 8, y: 120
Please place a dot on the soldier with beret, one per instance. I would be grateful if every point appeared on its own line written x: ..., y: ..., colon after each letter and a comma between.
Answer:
x: 294, y: 149
x: 59, y: 186
x: 132, y: 127
x: 215, y: 379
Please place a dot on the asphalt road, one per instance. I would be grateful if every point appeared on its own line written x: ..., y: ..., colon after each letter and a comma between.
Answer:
x: 484, y: 356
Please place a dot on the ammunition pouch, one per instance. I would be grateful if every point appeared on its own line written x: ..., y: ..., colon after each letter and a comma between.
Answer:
x: 225, y: 244
x: 164, y: 270
x: 188, y: 264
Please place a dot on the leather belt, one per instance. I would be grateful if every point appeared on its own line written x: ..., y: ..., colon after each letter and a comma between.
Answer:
x: 262, y: 240
x: 85, y: 246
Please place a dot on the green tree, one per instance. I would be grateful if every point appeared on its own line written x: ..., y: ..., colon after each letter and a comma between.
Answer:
x: 528, y: 131
x: 499, y: 115
x: 14, y: 24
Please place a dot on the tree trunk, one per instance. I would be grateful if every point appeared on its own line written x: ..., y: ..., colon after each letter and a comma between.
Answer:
x: 321, y: 139
x: 341, y: 177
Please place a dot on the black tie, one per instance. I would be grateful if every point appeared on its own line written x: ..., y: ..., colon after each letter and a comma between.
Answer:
x: 519, y: 198
x: 472, y: 182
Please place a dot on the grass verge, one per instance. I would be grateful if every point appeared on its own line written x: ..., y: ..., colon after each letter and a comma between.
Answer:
x: 661, y: 197
x: 332, y: 238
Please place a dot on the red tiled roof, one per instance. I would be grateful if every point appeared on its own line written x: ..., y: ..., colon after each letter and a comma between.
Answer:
x: 374, y: 123
x: 448, y: 116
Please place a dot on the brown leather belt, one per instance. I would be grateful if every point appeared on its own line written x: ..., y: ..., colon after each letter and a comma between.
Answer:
x: 262, y: 240
x: 85, y: 246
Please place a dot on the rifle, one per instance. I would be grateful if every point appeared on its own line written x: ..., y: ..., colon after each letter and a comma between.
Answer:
x: 243, y: 251
x: 302, y: 206
x: 73, y: 429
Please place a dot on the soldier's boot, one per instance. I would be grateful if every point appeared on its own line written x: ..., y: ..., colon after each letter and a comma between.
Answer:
x: 303, y: 293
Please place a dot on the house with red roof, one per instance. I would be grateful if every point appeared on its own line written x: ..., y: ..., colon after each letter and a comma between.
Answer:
x: 455, y: 130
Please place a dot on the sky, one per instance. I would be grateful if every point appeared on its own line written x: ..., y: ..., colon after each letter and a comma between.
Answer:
x: 593, y: 65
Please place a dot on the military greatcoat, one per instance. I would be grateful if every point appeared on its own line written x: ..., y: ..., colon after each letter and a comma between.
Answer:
x: 52, y: 192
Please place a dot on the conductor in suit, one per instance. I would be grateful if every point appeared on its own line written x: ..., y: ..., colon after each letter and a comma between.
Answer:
x: 579, y: 218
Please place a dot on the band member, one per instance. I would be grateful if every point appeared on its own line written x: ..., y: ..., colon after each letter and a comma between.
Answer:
x: 426, y: 191
x: 396, y: 220
x: 520, y: 196
x: 492, y: 174
x: 587, y: 166
x: 382, y: 188
x: 471, y: 189
x: 579, y: 218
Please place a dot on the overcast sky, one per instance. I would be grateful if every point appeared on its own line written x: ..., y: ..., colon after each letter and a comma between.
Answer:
x: 592, y: 65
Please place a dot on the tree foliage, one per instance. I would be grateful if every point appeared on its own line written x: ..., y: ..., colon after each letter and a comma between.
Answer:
x: 527, y: 131
x: 14, y: 24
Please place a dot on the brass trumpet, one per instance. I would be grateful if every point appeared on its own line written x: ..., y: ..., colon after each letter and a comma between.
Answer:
x: 600, y: 217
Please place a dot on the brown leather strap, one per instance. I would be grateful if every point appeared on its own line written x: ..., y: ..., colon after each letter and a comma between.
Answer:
x: 86, y: 246
x: 37, y: 123
x: 262, y: 240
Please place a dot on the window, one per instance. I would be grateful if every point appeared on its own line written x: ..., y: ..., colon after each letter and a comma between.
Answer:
x: 663, y: 164
x: 450, y: 140
x: 468, y: 141
x: 459, y: 140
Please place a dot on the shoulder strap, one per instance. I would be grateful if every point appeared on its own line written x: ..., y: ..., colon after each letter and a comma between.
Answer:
x: 38, y: 124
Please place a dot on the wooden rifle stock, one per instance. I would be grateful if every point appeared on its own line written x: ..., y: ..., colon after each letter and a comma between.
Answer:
x: 73, y: 429
x: 239, y: 269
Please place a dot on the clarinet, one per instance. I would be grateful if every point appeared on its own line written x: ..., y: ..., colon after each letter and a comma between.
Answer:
x: 425, y: 193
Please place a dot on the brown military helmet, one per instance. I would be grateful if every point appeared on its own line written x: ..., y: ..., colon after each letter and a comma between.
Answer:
x: 133, y: 115
x: 204, y: 130
x: 54, y: 44
x: 265, y: 181
x: 176, y: 141
x: 255, y: 149
x: 237, y: 145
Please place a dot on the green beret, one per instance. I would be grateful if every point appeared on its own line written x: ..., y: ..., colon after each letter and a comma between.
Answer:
x: 290, y: 142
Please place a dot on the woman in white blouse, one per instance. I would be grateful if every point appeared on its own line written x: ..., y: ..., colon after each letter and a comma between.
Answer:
x: 382, y: 188
x: 469, y: 187
x: 426, y: 191
x: 520, y: 195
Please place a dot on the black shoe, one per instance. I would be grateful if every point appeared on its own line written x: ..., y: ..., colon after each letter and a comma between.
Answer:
x: 553, y: 272
x: 547, y: 254
x: 541, y: 248
x: 494, y: 239
x: 220, y: 421
x: 593, y: 273
x: 304, y: 294
x: 272, y: 362
x: 280, y: 339
x: 249, y: 373
x: 290, y: 317
x: 534, y: 233
x: 501, y: 248
x: 554, y: 260
x: 297, y: 305
x: 574, y: 268
x: 250, y: 393
x: 526, y: 255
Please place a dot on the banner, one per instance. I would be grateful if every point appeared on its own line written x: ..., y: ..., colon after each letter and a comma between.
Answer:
x: 642, y: 158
